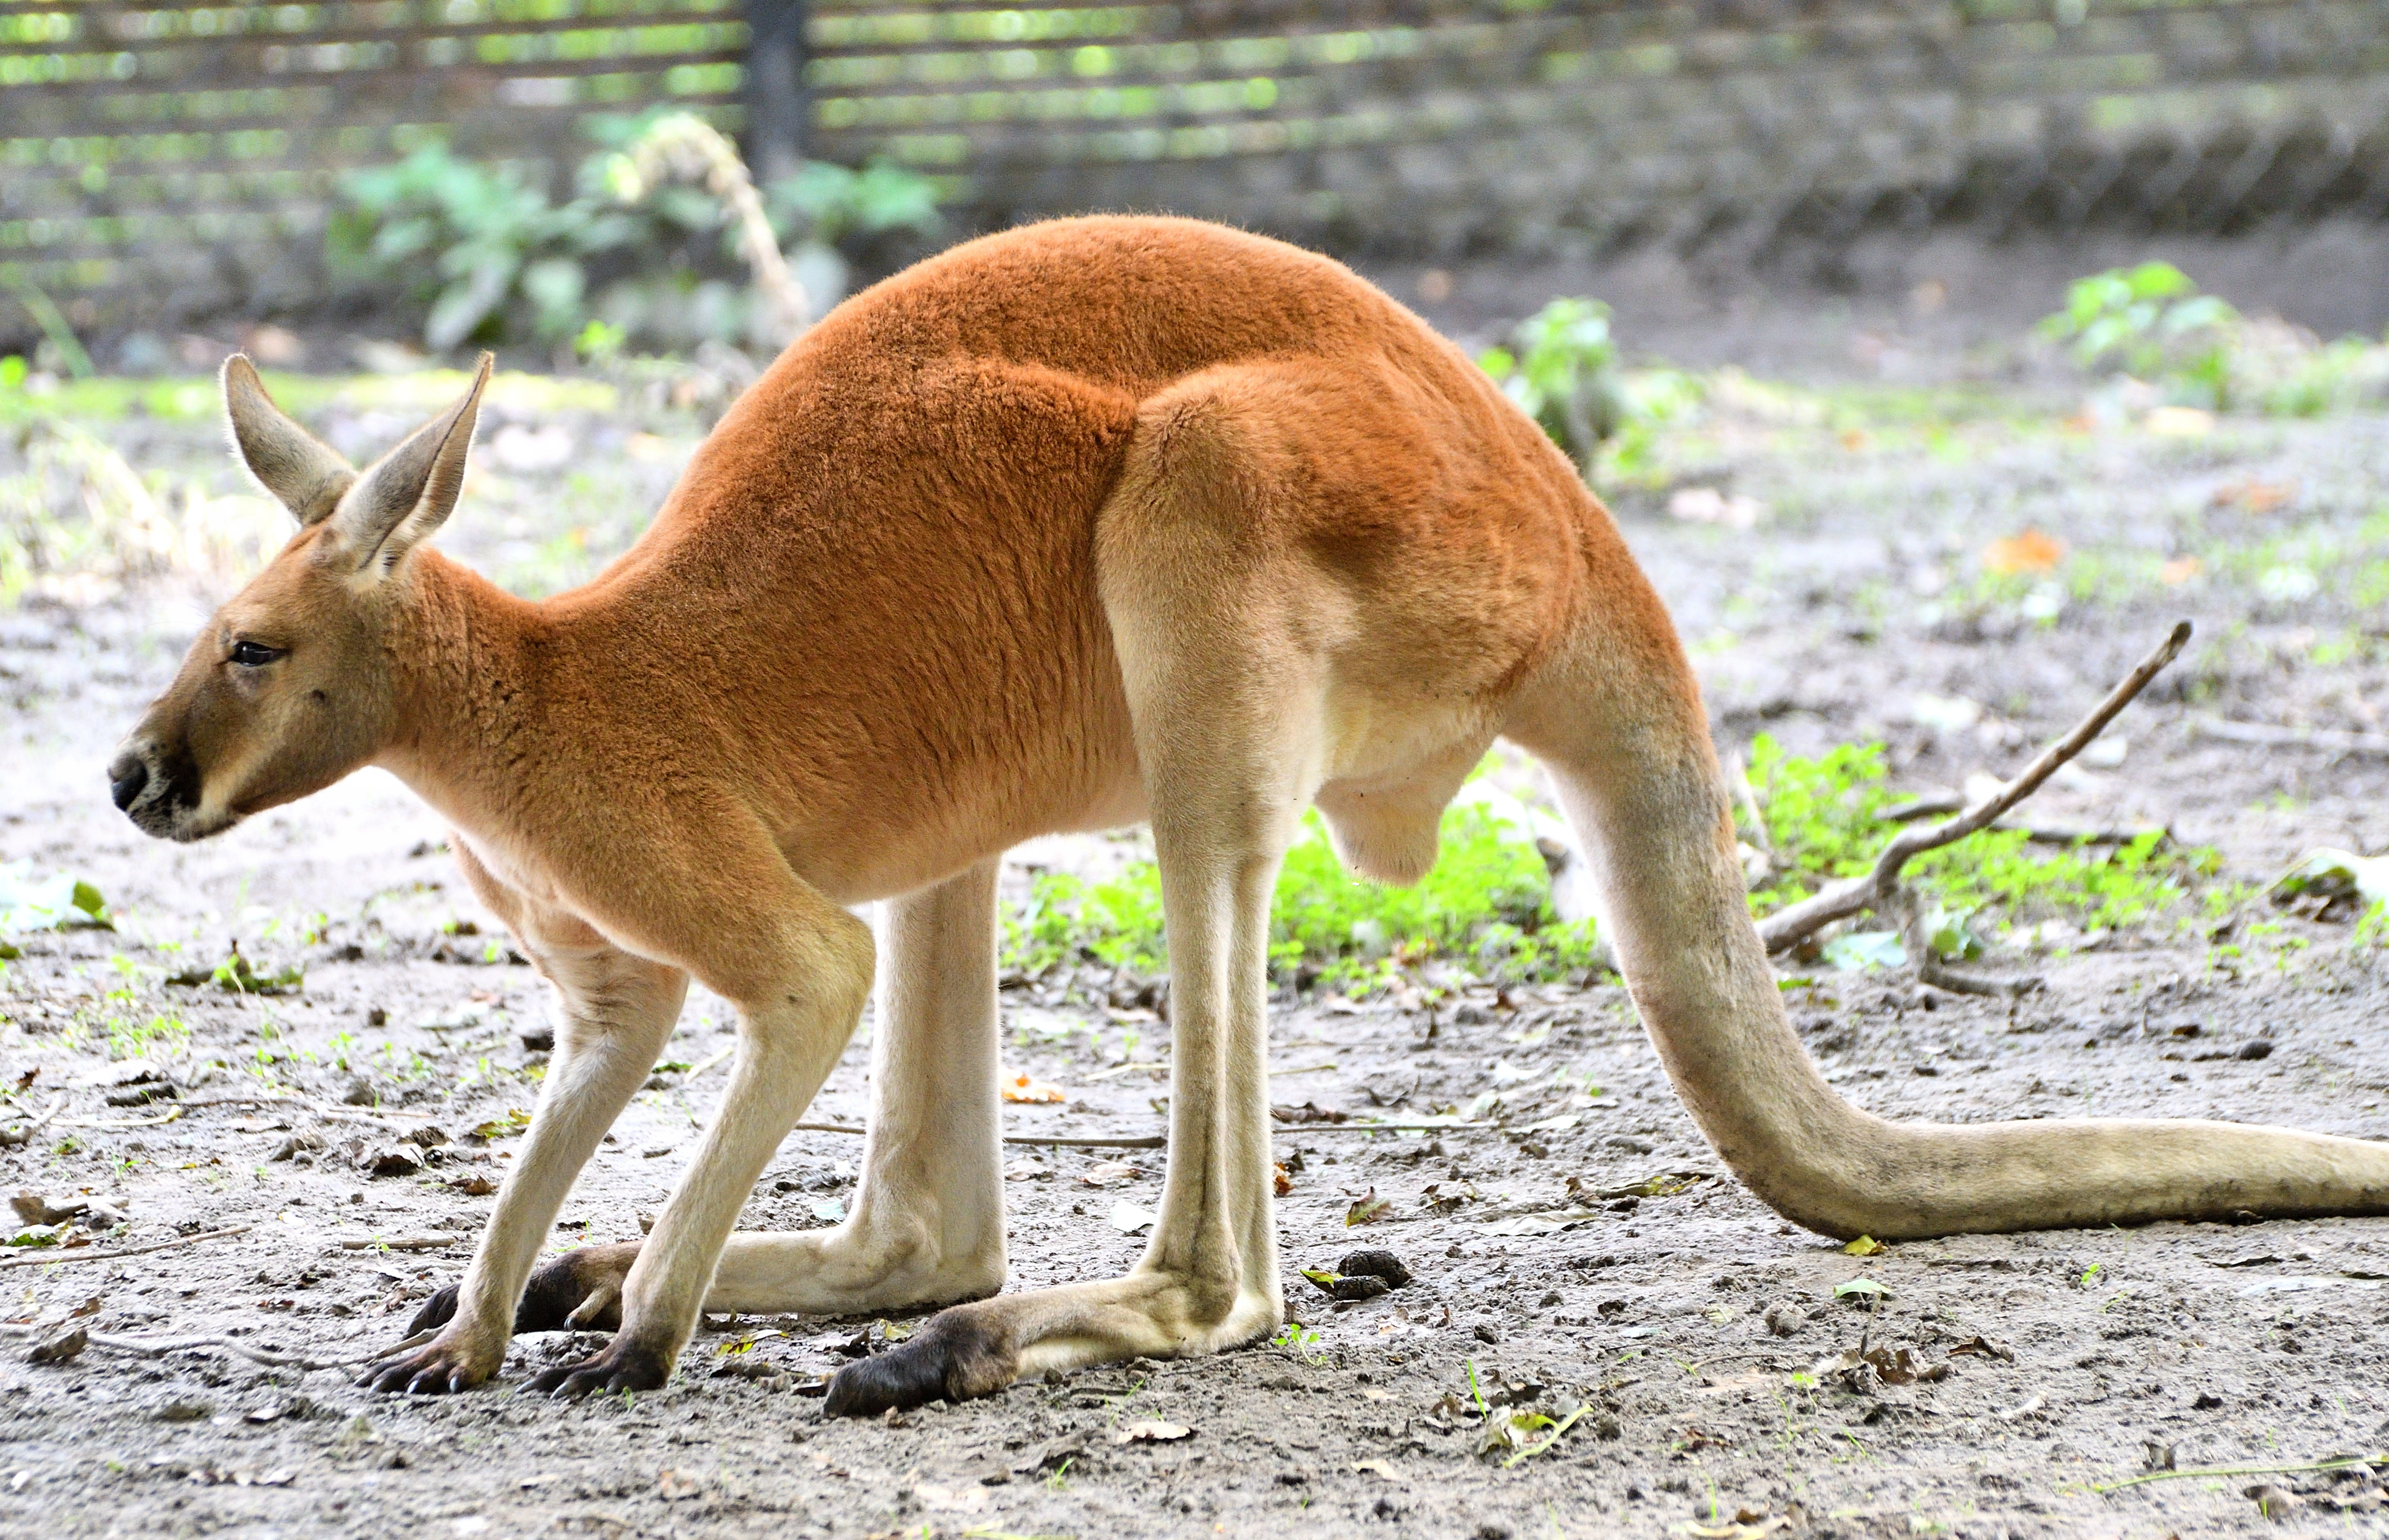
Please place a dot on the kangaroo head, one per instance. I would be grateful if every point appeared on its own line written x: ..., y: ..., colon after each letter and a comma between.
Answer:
x: 290, y: 686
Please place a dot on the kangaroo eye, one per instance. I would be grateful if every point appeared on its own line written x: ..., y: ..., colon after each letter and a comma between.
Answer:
x: 254, y: 654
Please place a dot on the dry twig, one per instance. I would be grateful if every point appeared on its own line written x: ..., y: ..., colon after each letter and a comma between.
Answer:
x: 1932, y: 970
x: 12, y: 1138
x: 1139, y: 1141
x: 688, y: 146
x: 95, y: 1254
x: 1875, y: 889
x: 2264, y: 735
x: 166, y: 1117
x: 1157, y: 1141
x: 1946, y: 802
x: 158, y: 1347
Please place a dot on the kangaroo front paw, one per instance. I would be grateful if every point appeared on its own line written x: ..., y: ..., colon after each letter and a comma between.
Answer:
x: 960, y: 1354
x: 580, y: 1290
x: 623, y: 1365
x: 449, y: 1362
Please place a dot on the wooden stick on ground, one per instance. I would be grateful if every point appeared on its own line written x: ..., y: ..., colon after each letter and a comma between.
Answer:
x: 12, y: 1138
x: 95, y: 1254
x: 158, y: 1347
x: 2268, y: 736
x: 1789, y: 926
x: 1157, y: 1141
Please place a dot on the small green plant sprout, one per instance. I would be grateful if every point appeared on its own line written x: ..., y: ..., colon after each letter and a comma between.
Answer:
x: 159, y: 1037
x: 1300, y: 1342
x: 239, y: 976
x: 1561, y: 367
x: 1947, y: 932
x: 599, y: 342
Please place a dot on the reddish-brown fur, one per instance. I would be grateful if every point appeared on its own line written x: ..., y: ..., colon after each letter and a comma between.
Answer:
x: 1084, y: 523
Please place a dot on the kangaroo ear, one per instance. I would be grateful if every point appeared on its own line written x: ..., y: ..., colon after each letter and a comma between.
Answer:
x: 404, y: 496
x: 295, y: 468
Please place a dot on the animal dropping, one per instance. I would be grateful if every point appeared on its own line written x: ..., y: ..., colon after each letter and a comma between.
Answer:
x: 1087, y: 524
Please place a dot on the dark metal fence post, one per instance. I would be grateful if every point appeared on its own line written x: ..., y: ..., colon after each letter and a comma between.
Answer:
x: 777, y: 105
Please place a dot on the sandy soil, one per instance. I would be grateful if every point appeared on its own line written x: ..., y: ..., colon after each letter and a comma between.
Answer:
x: 1701, y: 1340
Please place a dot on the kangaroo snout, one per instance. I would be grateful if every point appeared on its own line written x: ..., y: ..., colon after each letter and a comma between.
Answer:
x: 128, y: 776
x: 158, y: 789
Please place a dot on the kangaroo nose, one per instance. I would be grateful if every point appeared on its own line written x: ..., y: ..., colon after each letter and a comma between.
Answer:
x: 127, y: 774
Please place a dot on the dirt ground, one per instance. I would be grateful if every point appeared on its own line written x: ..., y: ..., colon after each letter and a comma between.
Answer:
x: 1698, y: 1342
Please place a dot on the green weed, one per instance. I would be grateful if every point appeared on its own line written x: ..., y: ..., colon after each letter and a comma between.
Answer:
x: 1301, y: 1342
x: 2150, y: 321
x: 159, y: 1037
x: 1824, y: 817
x: 1487, y: 902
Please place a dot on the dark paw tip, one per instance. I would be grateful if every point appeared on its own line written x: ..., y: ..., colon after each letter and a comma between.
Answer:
x: 911, y: 1375
x: 436, y: 1311
x: 622, y: 1366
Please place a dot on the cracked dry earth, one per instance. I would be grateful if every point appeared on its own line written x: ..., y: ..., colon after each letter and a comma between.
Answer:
x: 1699, y: 1343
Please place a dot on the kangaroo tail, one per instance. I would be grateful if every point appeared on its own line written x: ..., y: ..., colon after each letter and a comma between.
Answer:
x: 1616, y: 716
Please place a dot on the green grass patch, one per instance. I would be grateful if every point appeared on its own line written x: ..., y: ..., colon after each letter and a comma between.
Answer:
x: 1487, y: 902
x: 1486, y: 905
x: 1824, y: 817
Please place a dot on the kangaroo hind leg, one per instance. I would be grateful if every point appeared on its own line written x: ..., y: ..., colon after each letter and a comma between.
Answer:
x: 1225, y: 698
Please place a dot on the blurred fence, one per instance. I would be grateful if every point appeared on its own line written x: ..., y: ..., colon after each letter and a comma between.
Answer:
x: 163, y: 159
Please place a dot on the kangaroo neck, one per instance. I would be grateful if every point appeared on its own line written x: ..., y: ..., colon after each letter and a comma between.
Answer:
x: 466, y: 692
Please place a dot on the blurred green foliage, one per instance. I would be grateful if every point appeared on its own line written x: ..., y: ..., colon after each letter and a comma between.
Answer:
x: 2152, y: 322
x: 489, y: 256
x: 2149, y: 320
x: 1561, y: 368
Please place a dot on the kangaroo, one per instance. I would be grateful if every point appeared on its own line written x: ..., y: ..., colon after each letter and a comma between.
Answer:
x: 1087, y: 522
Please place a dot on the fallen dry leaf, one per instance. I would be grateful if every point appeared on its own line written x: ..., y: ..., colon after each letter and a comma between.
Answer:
x: 32, y: 1208
x: 1023, y: 1089
x: 1365, y: 1208
x: 2255, y: 496
x: 58, y: 1347
x: 2031, y: 551
x: 1151, y: 1430
x: 972, y: 1498
x: 2181, y: 569
x: 1280, y: 1180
